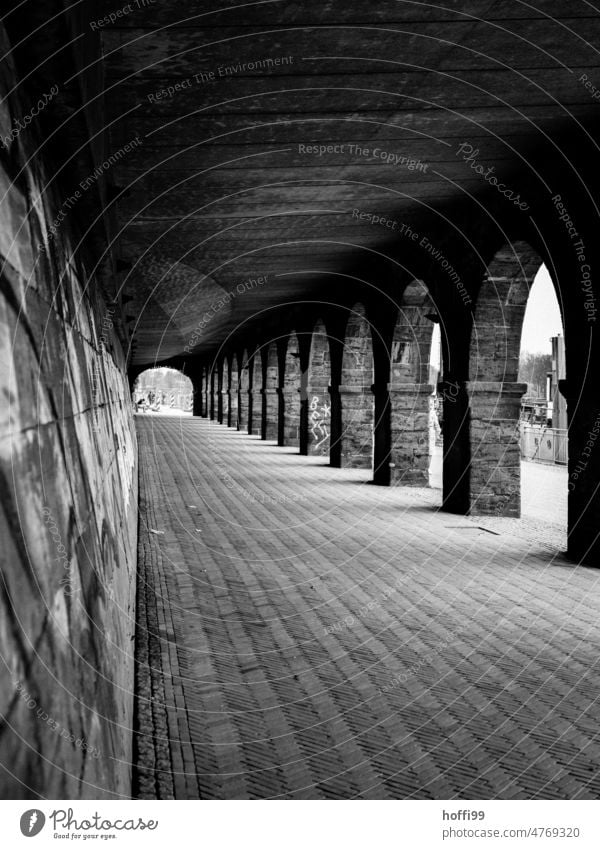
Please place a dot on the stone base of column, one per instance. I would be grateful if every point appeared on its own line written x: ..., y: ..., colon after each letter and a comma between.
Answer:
x: 271, y: 423
x: 357, y: 428
x: 242, y: 410
x: 233, y: 412
x: 495, y: 470
x: 197, y: 404
x: 409, y: 423
x: 319, y: 421
x: 257, y: 413
x: 291, y: 417
x: 249, y: 423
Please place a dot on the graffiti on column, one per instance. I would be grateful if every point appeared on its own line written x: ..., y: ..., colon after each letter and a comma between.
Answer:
x: 319, y: 417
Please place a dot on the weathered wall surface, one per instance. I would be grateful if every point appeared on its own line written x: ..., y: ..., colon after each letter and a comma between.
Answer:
x: 68, y: 503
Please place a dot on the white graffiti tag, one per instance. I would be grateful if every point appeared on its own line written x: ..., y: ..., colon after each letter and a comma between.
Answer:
x: 319, y: 418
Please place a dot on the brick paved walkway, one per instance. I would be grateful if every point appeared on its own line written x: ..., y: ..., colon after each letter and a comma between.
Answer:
x: 304, y: 635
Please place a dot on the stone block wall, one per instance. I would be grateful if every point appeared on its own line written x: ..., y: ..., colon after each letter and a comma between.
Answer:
x: 234, y: 389
x: 410, y: 416
x: 410, y: 394
x: 356, y: 395
x: 68, y: 521
x: 495, y: 472
x: 244, y: 394
x: 357, y: 428
x: 271, y: 395
x: 318, y: 396
x: 291, y: 393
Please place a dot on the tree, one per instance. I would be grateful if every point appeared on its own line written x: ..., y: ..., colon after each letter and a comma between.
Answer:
x: 533, y: 369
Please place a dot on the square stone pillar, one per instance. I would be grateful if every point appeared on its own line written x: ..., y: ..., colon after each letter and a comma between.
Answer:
x: 291, y: 416
x: 250, y: 412
x: 233, y: 407
x: 224, y: 406
x: 357, y: 427
x: 270, y: 428
x: 212, y: 401
x: 409, y: 425
x: 495, y: 467
x: 198, y: 390
x: 197, y: 401
x: 319, y: 421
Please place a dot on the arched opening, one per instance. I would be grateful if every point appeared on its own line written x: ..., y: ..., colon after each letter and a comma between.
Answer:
x: 290, y: 393
x: 412, y: 388
x: 356, y: 393
x: 543, y: 423
x: 163, y: 390
x: 318, y: 395
x: 500, y: 399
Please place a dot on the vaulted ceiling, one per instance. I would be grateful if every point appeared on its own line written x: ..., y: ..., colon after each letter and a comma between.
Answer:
x: 229, y: 104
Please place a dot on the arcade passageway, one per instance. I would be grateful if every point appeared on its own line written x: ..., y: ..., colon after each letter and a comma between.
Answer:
x: 309, y: 636
x: 317, y: 581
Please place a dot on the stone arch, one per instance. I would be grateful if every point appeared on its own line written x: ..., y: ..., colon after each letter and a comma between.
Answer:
x: 318, y: 392
x: 494, y: 395
x: 411, y: 393
x: 356, y: 393
x: 164, y: 386
x: 290, y: 393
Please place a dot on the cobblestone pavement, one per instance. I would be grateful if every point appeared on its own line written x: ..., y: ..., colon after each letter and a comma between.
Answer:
x: 303, y: 634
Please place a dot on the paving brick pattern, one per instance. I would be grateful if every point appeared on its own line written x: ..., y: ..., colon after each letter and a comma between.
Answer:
x: 312, y: 636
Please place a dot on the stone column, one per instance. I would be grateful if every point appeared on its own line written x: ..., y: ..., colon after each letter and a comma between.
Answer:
x: 198, y: 384
x: 205, y: 393
x: 583, y: 409
x: 410, y: 417
x: 221, y: 394
x: 291, y: 415
x: 357, y: 426
x: 234, y: 389
x: 271, y: 396
x: 243, y: 398
x: 495, y: 469
x: 213, y: 393
x: 271, y: 413
x: 319, y: 420
x: 256, y: 401
x: 249, y: 384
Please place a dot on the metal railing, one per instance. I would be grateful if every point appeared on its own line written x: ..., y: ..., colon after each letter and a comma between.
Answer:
x: 543, y: 444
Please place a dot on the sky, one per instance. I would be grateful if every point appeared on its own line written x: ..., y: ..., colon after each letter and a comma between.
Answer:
x: 542, y: 316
